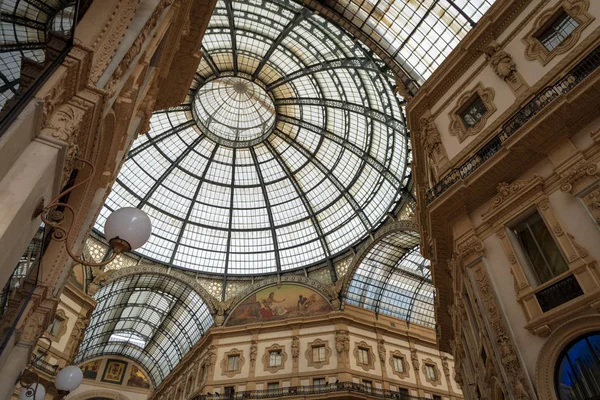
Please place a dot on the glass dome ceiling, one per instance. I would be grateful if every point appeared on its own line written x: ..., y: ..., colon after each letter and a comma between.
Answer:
x: 289, y: 148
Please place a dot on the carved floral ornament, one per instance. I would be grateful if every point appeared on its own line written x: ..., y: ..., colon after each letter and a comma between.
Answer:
x: 457, y: 125
x: 576, y: 9
x: 512, y: 198
x: 579, y: 176
x: 501, y: 337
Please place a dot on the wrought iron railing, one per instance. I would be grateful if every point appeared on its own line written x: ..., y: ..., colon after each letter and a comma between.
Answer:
x: 15, y: 105
x: 46, y: 367
x: 559, y: 293
x: 545, y: 97
x: 347, y: 387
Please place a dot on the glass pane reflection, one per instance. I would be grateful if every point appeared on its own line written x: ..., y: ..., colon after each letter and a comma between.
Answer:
x: 578, y: 373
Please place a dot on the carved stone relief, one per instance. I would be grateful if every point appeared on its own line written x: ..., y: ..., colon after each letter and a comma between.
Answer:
x: 504, y: 67
x: 500, y: 334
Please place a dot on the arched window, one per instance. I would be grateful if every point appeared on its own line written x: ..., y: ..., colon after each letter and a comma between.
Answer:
x: 578, y: 369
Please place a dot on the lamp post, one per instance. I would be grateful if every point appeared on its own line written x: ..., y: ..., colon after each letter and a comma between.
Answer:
x: 68, y: 379
x: 125, y: 229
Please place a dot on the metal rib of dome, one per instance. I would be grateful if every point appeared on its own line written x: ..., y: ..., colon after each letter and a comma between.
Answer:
x: 262, y: 200
x: 25, y: 27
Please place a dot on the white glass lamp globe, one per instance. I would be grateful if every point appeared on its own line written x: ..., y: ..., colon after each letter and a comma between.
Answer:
x: 129, y: 224
x: 69, y: 378
x: 27, y: 393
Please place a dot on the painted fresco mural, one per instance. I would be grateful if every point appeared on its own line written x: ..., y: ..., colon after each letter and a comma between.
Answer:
x: 278, y: 302
x: 114, y: 371
x: 138, y: 379
x: 90, y: 370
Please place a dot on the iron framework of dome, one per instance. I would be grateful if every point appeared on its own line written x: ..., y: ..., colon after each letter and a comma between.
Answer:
x: 25, y: 25
x: 314, y: 163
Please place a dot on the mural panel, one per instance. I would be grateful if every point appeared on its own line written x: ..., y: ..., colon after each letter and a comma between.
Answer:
x: 114, y: 371
x: 90, y: 370
x: 138, y: 379
x: 278, y: 302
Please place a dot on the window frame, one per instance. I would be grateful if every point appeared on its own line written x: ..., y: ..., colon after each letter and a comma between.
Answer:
x: 576, y: 9
x: 523, y: 255
x: 476, y: 98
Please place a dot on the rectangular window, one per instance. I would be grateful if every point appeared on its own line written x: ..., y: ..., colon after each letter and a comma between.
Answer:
x: 404, y: 394
x: 318, y: 353
x: 363, y: 356
x: 55, y: 326
x: 430, y: 371
x: 275, y: 358
x: 229, y: 392
x: 319, y: 382
x: 473, y: 112
x: 398, y: 365
x: 558, y: 30
x: 233, y: 363
x: 544, y: 258
x: 436, y: 397
x: 273, y: 386
x: 368, y: 386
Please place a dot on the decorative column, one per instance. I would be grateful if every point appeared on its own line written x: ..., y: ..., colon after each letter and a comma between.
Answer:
x: 253, y: 355
x: 342, y: 347
x: 446, y: 369
x: 295, y: 355
x: 414, y: 357
x: 381, y: 351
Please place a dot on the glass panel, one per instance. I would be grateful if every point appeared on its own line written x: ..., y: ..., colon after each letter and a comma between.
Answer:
x: 558, y: 31
x: 473, y: 113
x: 275, y: 359
x: 430, y: 369
x: 319, y: 382
x: 578, y: 369
x: 153, y: 319
x: 394, y: 279
x: 398, y: 366
x: 318, y: 353
x: 232, y: 189
x: 543, y: 254
x: 363, y: 356
x: 233, y: 363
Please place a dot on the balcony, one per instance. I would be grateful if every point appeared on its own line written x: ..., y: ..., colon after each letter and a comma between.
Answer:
x: 327, y: 391
x: 45, y: 367
x: 542, y: 99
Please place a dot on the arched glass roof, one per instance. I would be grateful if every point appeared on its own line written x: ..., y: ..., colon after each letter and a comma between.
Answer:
x: 394, y: 279
x: 25, y: 25
x: 150, y: 318
x: 289, y: 148
x: 416, y: 34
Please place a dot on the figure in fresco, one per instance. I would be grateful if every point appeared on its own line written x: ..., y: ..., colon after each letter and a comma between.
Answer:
x: 302, y: 303
x: 278, y: 302
x: 273, y: 305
